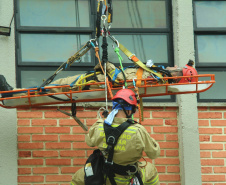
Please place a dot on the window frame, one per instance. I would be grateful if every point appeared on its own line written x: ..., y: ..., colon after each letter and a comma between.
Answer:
x: 207, y: 66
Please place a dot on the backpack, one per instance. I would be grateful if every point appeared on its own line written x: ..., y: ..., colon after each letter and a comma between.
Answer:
x: 94, y: 168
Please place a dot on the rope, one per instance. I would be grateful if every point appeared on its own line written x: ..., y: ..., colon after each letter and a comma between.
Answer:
x: 120, y: 61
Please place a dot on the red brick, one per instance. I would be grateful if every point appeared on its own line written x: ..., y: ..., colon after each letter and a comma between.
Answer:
x: 213, y: 178
x: 209, y: 115
x: 161, y: 169
x: 169, y: 177
x: 72, y: 138
x: 168, y: 145
x: 203, y: 122
x: 146, y: 114
x: 58, y: 178
x: 90, y: 121
x: 205, y: 154
x: 206, y: 170
x: 77, y: 153
x: 210, y: 146
x: 23, y: 138
x: 219, y: 138
x: 30, y: 145
x: 153, y: 122
x: 44, y: 137
x: 30, y: 162
x: 172, y: 137
x: 167, y: 161
x: 30, y: 130
x: 45, y: 153
x: 173, y: 169
x: 218, y: 108
x: 58, y: 145
x: 23, y: 122
x: 30, y: 179
x: 29, y: 114
x: 171, y: 108
x: 202, y: 108
x: 45, y: 170
x: 220, y: 154
x: 219, y: 170
x: 218, y: 122
x: 172, y: 153
x: 212, y: 162
x: 44, y: 122
x: 24, y: 171
x: 78, y: 130
x: 59, y: 130
x: 171, y: 122
x: 203, y: 138
x: 164, y: 114
x: 86, y: 114
x: 69, y: 169
x: 55, y: 114
x: 165, y: 129
x: 24, y: 153
x: 80, y: 145
x: 69, y: 122
x: 79, y: 161
x: 210, y: 130
x: 57, y: 162
x: 158, y: 137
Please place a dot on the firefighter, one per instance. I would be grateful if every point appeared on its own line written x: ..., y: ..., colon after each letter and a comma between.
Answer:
x: 130, y: 146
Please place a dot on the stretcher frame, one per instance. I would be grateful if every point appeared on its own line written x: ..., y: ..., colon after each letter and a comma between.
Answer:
x: 145, y: 90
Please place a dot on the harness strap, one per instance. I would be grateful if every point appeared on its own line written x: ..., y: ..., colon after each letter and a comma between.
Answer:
x: 138, y: 62
x: 139, y: 76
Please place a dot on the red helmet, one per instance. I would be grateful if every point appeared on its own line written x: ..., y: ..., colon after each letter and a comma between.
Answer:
x: 127, y: 95
x: 188, y: 71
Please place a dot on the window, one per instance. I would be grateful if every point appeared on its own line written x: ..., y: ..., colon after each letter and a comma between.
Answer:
x: 50, y: 31
x: 210, y: 41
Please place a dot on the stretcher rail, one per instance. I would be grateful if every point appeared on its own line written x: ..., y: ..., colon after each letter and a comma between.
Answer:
x: 148, y: 88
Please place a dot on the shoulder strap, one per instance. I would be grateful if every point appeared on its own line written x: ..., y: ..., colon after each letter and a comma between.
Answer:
x: 112, y: 135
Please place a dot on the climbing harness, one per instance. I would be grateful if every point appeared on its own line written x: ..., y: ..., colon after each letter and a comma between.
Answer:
x: 110, y: 168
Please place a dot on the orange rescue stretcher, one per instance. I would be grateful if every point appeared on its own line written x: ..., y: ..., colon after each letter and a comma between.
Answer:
x: 34, y: 97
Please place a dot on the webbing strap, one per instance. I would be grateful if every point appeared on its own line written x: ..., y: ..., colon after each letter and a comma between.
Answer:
x: 138, y: 62
x: 139, y: 76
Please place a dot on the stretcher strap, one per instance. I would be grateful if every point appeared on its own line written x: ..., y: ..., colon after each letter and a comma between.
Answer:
x: 138, y: 62
x: 139, y: 76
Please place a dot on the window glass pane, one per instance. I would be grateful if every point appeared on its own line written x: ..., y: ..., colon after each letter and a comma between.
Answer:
x: 145, y: 47
x: 52, y: 47
x: 54, y: 13
x: 35, y: 78
x: 210, y: 13
x: 217, y: 91
x: 139, y: 14
x: 211, y: 48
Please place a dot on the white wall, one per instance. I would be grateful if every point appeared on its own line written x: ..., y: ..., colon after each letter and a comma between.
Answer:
x: 8, y: 120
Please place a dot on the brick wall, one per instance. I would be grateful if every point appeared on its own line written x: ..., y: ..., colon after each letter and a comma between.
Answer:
x: 51, y: 146
x: 212, y: 130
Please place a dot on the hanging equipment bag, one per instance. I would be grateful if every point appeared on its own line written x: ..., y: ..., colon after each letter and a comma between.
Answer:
x: 94, y: 168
